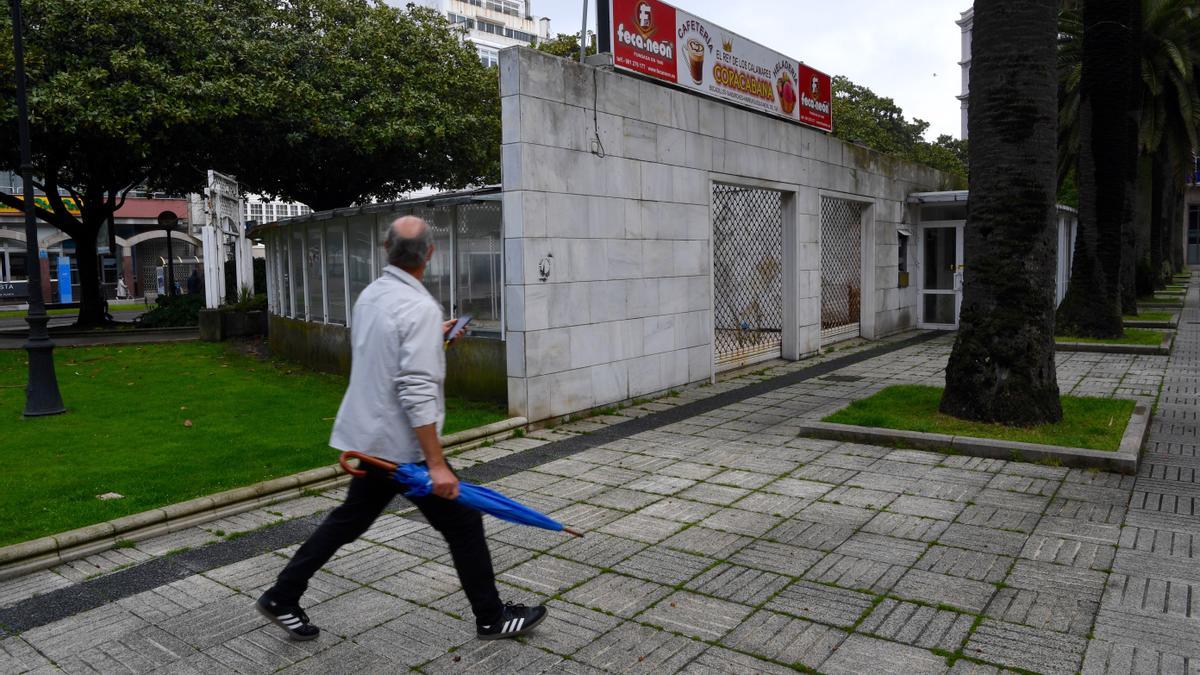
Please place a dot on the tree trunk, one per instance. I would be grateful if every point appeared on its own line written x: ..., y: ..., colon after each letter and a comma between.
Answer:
x: 1127, y: 276
x: 1107, y: 152
x: 1143, y: 226
x: 1175, y: 229
x: 91, y: 300
x: 1002, y: 366
x: 1158, y: 208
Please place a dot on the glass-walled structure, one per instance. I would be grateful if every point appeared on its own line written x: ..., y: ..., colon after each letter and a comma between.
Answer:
x: 318, y: 264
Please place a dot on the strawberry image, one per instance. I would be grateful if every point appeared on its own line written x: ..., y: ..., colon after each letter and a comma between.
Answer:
x: 787, y: 94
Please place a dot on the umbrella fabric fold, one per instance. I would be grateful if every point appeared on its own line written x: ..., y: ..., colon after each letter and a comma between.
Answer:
x: 415, y: 477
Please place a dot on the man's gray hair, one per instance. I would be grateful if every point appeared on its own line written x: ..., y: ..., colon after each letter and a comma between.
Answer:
x: 408, y: 252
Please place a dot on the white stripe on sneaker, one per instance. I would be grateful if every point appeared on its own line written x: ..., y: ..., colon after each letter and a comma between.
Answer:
x: 284, y: 617
x: 520, y: 622
x: 293, y: 623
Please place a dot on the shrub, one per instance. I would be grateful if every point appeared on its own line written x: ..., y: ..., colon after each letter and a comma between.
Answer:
x: 172, y: 312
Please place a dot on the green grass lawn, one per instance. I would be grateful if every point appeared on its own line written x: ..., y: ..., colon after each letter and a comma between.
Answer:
x: 1173, y: 299
x: 124, y: 431
x: 1096, y: 423
x: 1151, y: 316
x: 1133, y: 336
x: 69, y: 311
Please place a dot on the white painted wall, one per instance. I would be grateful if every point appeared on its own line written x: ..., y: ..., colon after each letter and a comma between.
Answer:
x: 626, y: 309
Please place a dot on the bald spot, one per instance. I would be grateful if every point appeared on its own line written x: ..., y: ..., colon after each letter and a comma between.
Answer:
x: 408, y: 227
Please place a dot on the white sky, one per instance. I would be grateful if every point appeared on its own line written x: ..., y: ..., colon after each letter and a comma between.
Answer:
x: 905, y: 50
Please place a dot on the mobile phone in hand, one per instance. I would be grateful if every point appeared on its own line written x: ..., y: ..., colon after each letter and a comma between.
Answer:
x: 457, y: 329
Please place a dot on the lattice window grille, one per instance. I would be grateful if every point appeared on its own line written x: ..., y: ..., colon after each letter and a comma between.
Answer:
x: 841, y: 268
x: 748, y: 273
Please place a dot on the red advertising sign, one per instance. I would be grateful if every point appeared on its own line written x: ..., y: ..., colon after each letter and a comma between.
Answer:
x: 644, y: 37
x: 658, y: 40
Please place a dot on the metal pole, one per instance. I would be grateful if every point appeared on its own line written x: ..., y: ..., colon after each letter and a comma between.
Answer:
x: 583, y: 33
x: 170, y: 265
x: 41, y: 393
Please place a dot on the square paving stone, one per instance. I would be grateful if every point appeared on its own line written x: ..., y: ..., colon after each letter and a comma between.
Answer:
x: 617, y: 594
x: 622, y: 499
x: 944, y: 490
x: 926, y: 507
x: 785, y: 639
x: 741, y: 479
x: 703, y: 541
x: 810, y: 535
x: 825, y: 604
x: 586, y: 516
x: 1024, y: 484
x: 363, y: 567
x: 456, y: 604
x: 943, y: 589
x: 782, y: 559
x: 882, y: 548
x: 344, y: 658
x: 889, y: 466
x: 1139, y: 594
x: 159, y: 604
x: 1071, y: 552
x: 695, y: 615
x: 611, y: 476
x: 721, y: 495
x: 906, y: 527
x: 215, y: 623
x: 958, y: 562
x: 1057, y: 612
x: 660, y: 485
x: 974, y: 463
x: 1155, y: 636
x: 1104, y: 657
x: 1024, y: 647
x: 418, y: 636
x: 358, y: 611
x: 549, y: 575
x: 17, y: 656
x: 998, y: 518
x: 494, y: 656
x: 640, y: 527
x: 772, y: 504
x: 855, y: 573
x: 1015, y: 501
x: 689, y: 470
x: 824, y: 474
x: 983, y: 539
x: 862, y: 654
x: 918, y: 625
x: 571, y: 489
x: 569, y: 628
x: 631, y: 648
x: 421, y: 584
x: 741, y: 522
x: 721, y: 661
x: 1093, y: 512
x: 682, y: 510
x: 389, y: 528
x: 598, y: 549
x: 264, y: 650
x: 1099, y: 494
x: 860, y: 497
x: 1050, y: 578
x: 894, y: 484
x: 837, y: 514
x: 137, y: 652
x: 844, y: 461
x: 802, y: 489
x: 739, y: 584
x: 663, y: 565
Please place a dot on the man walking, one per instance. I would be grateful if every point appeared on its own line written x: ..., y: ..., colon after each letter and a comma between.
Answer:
x: 393, y: 409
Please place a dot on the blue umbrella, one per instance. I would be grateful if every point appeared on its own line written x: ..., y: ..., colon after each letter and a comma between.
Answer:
x: 416, y: 478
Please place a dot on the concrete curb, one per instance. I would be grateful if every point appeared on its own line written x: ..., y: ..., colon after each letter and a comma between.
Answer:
x: 1123, y: 460
x: 1169, y: 324
x: 1163, y: 349
x: 45, y: 552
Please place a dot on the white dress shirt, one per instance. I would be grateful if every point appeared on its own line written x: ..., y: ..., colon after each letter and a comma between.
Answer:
x: 397, y: 370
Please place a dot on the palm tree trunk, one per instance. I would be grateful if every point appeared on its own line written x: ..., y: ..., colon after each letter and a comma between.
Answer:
x: 1127, y: 276
x: 1002, y: 366
x: 1158, y: 216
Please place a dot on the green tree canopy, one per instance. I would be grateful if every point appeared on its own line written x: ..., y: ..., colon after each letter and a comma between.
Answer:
x: 864, y: 117
x: 566, y: 45
x: 125, y: 93
x: 368, y: 101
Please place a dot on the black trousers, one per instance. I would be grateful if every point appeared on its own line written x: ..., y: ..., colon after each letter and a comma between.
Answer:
x: 368, y: 496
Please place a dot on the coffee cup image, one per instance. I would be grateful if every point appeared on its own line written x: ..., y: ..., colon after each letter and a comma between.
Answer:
x: 695, y: 56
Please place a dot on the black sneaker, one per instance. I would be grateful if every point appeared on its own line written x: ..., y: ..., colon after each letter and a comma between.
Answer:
x: 291, y: 619
x: 514, y: 620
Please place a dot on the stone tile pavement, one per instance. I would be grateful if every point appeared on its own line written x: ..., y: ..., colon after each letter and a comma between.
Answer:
x: 718, y: 543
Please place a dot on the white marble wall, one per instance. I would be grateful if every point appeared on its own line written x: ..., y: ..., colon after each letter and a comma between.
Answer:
x: 626, y: 308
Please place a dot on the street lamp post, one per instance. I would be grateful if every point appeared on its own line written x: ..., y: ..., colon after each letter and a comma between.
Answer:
x: 41, y: 393
x: 168, y: 221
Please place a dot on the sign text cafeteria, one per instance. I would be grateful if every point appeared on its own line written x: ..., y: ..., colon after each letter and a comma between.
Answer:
x: 659, y: 40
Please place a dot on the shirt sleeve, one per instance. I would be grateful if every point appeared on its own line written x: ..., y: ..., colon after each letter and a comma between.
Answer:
x: 419, y: 375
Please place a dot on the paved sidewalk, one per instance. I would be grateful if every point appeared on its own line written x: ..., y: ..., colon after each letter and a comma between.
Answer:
x: 718, y: 542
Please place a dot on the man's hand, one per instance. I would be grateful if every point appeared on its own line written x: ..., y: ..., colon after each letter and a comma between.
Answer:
x: 445, y: 483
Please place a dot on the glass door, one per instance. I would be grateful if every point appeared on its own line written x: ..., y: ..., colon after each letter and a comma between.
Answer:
x: 941, y: 275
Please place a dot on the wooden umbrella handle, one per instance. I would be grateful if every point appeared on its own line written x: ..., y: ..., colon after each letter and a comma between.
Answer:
x: 345, y: 457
